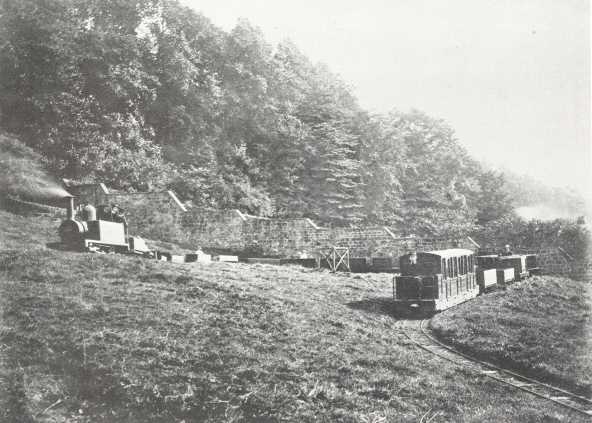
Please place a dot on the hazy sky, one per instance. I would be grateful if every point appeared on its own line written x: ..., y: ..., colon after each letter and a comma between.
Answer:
x: 511, y: 76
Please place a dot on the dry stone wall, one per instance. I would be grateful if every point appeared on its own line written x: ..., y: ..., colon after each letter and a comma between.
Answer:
x: 212, y: 229
x: 160, y: 215
x: 582, y: 271
x: 155, y: 215
x: 554, y: 261
x: 365, y: 241
x: 293, y: 238
x: 281, y: 237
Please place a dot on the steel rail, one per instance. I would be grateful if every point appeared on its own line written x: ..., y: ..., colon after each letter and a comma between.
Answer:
x: 542, y: 390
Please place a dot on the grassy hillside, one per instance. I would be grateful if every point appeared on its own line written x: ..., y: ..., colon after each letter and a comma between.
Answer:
x: 23, y: 231
x: 110, y: 338
x: 540, y: 326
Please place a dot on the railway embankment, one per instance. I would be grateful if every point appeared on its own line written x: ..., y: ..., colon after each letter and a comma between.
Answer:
x: 105, y: 337
x: 541, y: 327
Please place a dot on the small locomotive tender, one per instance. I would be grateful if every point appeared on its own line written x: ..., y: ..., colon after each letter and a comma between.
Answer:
x: 435, y: 280
x: 92, y: 234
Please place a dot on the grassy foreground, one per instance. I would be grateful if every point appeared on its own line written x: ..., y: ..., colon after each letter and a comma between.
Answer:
x: 111, y: 338
x: 541, y: 326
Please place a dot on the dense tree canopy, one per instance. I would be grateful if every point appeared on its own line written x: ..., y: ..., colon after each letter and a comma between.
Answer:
x: 150, y: 94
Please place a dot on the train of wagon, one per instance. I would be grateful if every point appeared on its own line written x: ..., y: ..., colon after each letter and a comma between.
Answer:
x: 428, y: 282
x: 436, y: 280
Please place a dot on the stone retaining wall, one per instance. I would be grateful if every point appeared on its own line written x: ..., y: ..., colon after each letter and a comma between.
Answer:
x: 290, y: 238
x: 149, y: 214
x: 553, y: 262
x: 160, y: 215
x: 208, y: 228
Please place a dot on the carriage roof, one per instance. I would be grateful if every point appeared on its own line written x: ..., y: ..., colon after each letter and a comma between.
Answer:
x: 451, y: 252
x: 511, y: 256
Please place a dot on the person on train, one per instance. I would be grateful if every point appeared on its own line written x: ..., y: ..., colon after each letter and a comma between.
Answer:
x: 104, y: 212
x: 118, y: 215
x: 507, y: 251
x: 88, y: 211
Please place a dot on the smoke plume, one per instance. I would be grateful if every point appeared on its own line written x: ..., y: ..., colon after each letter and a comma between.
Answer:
x: 23, y: 176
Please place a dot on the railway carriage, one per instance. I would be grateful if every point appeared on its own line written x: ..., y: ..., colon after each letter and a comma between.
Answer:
x: 435, y: 280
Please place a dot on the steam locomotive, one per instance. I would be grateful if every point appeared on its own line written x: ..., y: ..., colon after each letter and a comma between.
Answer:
x: 96, y: 234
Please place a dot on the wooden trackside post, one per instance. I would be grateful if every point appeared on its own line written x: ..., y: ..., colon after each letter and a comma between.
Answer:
x: 338, y: 257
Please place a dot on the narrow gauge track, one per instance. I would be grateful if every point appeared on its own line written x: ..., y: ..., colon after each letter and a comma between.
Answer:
x: 417, y: 333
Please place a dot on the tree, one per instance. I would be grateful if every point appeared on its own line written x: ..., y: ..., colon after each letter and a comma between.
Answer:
x: 435, y: 181
x: 333, y: 182
x: 74, y: 88
x: 492, y: 201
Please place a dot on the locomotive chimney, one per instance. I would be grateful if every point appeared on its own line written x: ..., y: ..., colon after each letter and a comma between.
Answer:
x: 69, y: 207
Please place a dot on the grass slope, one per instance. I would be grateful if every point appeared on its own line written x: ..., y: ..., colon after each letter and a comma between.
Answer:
x: 111, y: 338
x: 540, y: 326
x: 26, y: 231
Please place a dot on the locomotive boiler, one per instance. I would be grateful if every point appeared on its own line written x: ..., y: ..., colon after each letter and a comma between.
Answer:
x: 94, y: 234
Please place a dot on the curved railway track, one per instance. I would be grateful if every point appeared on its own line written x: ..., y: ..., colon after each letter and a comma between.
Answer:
x: 416, y: 332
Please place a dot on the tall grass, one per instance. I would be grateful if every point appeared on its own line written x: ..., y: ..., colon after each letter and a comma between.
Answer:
x: 111, y: 338
x: 540, y: 326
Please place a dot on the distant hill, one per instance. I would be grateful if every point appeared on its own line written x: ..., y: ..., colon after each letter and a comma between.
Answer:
x: 534, y: 200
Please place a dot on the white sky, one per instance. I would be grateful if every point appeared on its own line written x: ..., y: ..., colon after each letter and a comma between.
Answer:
x: 512, y: 77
